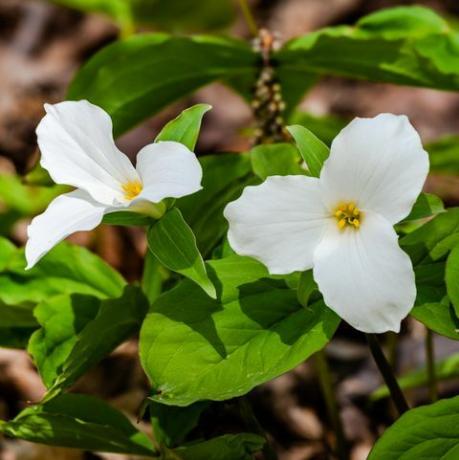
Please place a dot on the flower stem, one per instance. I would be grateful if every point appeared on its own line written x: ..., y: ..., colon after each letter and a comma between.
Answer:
x: 388, y: 374
x: 326, y: 384
x: 430, y: 358
x: 248, y: 16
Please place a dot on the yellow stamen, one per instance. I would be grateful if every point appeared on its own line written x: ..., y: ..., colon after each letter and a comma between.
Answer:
x: 131, y: 189
x: 348, y: 215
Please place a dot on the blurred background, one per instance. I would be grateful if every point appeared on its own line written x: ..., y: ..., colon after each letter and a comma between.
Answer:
x: 42, y: 44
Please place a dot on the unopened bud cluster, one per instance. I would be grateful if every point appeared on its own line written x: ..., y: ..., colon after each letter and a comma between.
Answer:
x: 267, y: 104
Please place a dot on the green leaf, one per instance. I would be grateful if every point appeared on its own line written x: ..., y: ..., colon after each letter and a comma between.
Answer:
x: 81, y: 422
x: 452, y: 277
x: 66, y: 269
x: 116, y: 320
x: 325, y: 127
x: 135, y: 78
x: 255, y: 331
x: 177, y: 15
x: 312, y: 149
x: 432, y: 306
x: 185, y: 128
x: 28, y: 200
x: 403, y: 45
x: 306, y: 287
x: 127, y: 218
x: 224, y: 177
x: 172, y: 242
x: 434, y: 239
x: 426, y: 205
x: 228, y: 447
x: 445, y: 369
x: 172, y: 424
x: 428, y: 432
x: 152, y: 277
x: 62, y: 318
x: 275, y: 160
x: 16, y: 325
x: 444, y: 155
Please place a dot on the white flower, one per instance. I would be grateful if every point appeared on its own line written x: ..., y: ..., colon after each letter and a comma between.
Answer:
x: 77, y: 149
x: 341, y: 225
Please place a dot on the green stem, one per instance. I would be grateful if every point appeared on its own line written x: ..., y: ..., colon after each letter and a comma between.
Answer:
x: 253, y: 425
x: 430, y: 358
x: 248, y: 16
x: 326, y: 384
x: 388, y: 374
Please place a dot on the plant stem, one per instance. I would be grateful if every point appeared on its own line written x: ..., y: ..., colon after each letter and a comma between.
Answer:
x: 430, y: 358
x: 253, y: 425
x: 326, y: 384
x: 388, y: 374
x: 248, y: 16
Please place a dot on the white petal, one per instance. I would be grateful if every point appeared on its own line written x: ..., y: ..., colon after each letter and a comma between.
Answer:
x: 279, y: 222
x: 167, y: 170
x: 77, y: 148
x: 364, y: 276
x: 378, y: 163
x: 66, y: 214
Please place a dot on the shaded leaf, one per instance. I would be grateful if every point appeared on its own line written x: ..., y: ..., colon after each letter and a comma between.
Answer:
x: 81, y: 422
x: 173, y: 243
x: 232, y: 344
x: 135, y: 78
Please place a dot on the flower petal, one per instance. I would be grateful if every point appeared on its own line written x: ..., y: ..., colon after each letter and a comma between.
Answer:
x: 379, y: 164
x: 66, y: 214
x: 364, y: 276
x: 77, y: 148
x: 279, y: 222
x: 167, y: 170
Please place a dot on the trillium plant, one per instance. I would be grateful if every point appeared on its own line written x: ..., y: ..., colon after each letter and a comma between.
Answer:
x: 254, y: 261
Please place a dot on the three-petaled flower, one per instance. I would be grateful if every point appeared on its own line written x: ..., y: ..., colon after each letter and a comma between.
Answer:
x: 77, y: 149
x: 341, y: 224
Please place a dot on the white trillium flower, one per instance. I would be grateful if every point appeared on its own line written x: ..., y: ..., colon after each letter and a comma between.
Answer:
x: 77, y: 149
x: 341, y: 224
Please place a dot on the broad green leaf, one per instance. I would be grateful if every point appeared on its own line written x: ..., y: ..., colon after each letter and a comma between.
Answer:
x: 312, y: 149
x: 135, y: 78
x: 16, y: 325
x: 62, y: 318
x: 427, y: 432
x: 28, y: 200
x: 275, y: 160
x: 172, y: 242
x: 228, y: 447
x: 403, y: 45
x: 224, y: 177
x: 426, y: 205
x: 445, y: 369
x: 81, y: 422
x: 434, y: 239
x: 177, y: 15
x: 452, y: 277
x: 255, y: 331
x: 444, y: 155
x: 172, y: 424
x: 66, y: 269
x: 432, y: 306
x: 116, y: 320
x: 326, y: 127
x: 185, y: 128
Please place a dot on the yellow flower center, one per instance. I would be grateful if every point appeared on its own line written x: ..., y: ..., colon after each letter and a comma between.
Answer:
x: 348, y: 215
x: 131, y: 189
